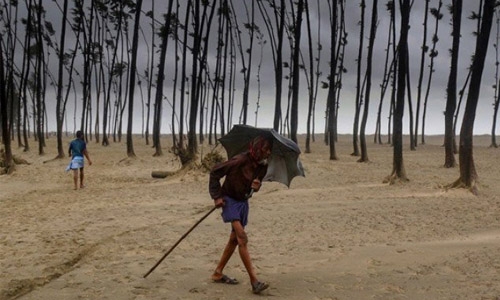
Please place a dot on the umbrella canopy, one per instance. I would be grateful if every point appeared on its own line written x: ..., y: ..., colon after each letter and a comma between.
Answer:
x: 283, y: 163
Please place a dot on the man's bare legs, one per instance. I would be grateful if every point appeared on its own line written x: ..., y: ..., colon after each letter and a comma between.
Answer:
x: 238, y: 238
x: 226, y: 255
x: 75, y: 178
x: 81, y: 178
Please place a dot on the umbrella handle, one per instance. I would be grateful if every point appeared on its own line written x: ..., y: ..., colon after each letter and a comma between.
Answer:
x: 249, y: 194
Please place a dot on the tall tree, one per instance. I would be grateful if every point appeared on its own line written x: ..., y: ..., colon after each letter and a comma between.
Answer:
x: 451, y: 89
x: 496, y: 100
x: 246, y: 65
x: 359, y: 89
x: 150, y: 72
x: 4, y: 126
x: 311, y: 82
x: 398, y: 169
x: 296, y: 72
x: 276, y: 41
x: 201, y: 89
x: 331, y: 97
x: 164, y: 33
x: 133, y: 70
x: 468, y: 173
x: 371, y: 42
x: 423, y: 51
x: 9, y: 32
x: 436, y: 12
x: 377, y: 138
x: 195, y: 100
x: 60, y: 108
x: 39, y: 79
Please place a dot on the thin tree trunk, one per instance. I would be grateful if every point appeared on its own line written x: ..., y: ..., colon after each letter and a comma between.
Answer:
x: 4, y: 126
x: 438, y: 15
x: 398, y: 170
x: 132, y: 72
x: 311, y: 83
x: 373, y: 32
x: 424, y: 50
x: 451, y: 90
x: 38, y: 78
x: 358, y: 100
x: 496, y: 102
x: 59, y: 97
x: 195, y: 100
x: 160, y: 79
x: 468, y: 174
x: 296, y: 72
x: 331, y: 100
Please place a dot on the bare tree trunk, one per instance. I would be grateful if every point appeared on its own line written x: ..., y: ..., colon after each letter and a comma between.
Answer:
x: 377, y: 138
x: 201, y: 88
x: 398, y: 170
x: 59, y: 97
x: 151, y: 71
x: 451, y: 90
x: 4, y: 126
x: 331, y: 100
x: 413, y: 145
x: 246, y: 66
x: 160, y: 79
x: 276, y: 41
x: 38, y: 81
x: 182, y: 102
x: 424, y: 50
x: 296, y: 72
x: 393, y: 81
x: 132, y: 71
x: 468, y: 174
x: 358, y: 101
x: 195, y: 100
x: 436, y: 12
x: 496, y: 102
x: 373, y: 32
x: 311, y: 83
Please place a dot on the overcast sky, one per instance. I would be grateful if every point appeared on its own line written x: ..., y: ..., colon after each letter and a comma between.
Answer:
x: 437, y: 98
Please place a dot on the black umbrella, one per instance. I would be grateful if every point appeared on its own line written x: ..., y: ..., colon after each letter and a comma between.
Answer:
x: 283, y: 163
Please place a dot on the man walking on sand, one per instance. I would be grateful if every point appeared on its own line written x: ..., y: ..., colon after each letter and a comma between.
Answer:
x: 77, y: 150
x: 243, y: 175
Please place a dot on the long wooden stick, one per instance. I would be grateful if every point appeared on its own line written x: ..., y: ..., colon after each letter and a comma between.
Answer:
x: 178, y: 242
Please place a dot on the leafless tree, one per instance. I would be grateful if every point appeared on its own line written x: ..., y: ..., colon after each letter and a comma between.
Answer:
x: 296, y: 71
x: 369, y: 58
x: 496, y: 101
x: 436, y: 12
x: 468, y: 174
x: 332, y: 92
x: 4, y: 126
x: 164, y: 34
x: 359, y: 89
x: 388, y: 66
x: 398, y: 169
x: 423, y: 56
x: 132, y: 71
x: 60, y: 107
x: 275, y: 32
x: 451, y: 90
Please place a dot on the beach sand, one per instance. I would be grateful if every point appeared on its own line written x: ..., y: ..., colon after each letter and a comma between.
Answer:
x: 338, y: 233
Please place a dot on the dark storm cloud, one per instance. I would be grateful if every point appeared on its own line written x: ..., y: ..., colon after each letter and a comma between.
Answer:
x: 441, y: 65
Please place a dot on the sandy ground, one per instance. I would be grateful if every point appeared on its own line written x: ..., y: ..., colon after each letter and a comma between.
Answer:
x: 338, y: 233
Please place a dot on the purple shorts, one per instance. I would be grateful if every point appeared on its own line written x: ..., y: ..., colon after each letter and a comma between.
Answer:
x: 234, y: 210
